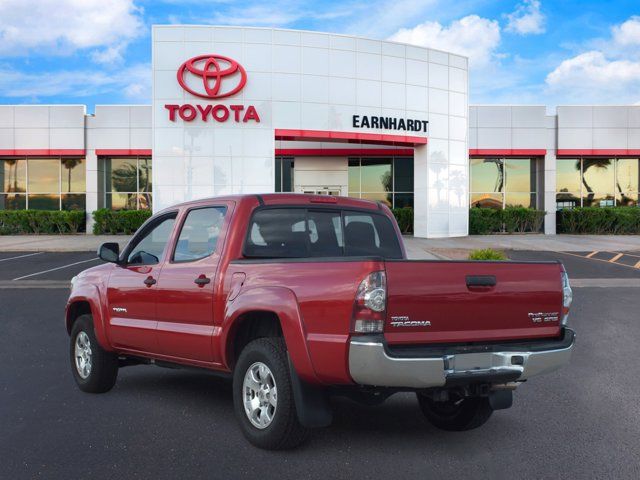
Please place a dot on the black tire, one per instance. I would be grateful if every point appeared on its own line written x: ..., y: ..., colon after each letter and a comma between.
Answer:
x: 104, y: 365
x: 284, y: 431
x: 456, y: 415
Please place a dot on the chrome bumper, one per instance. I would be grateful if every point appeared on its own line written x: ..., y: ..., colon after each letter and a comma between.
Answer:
x: 371, y: 364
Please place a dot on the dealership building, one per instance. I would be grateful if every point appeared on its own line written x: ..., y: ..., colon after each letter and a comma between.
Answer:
x: 256, y: 110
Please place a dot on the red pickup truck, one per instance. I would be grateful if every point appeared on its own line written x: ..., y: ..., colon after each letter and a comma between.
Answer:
x: 303, y: 297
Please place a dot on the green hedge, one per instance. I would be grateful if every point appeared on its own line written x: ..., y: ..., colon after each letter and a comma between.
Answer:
x: 118, y: 221
x: 484, y: 221
x: 404, y: 217
x: 22, y: 222
x: 599, y: 221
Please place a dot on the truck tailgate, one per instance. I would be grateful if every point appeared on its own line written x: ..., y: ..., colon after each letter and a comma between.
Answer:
x: 460, y: 302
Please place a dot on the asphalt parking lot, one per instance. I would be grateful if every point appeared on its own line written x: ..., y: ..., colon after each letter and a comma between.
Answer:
x: 580, y: 422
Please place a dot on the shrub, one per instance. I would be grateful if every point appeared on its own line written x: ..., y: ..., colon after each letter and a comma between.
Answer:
x: 404, y: 217
x: 487, y: 254
x: 483, y: 221
x: 118, y: 221
x: 21, y: 222
x: 599, y: 221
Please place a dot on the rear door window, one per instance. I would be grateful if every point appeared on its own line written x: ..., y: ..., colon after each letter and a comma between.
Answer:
x: 301, y: 233
x: 368, y: 234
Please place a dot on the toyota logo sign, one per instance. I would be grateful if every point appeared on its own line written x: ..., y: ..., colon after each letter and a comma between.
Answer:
x: 212, y: 76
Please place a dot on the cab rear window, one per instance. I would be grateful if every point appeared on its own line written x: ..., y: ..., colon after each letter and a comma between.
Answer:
x: 302, y: 233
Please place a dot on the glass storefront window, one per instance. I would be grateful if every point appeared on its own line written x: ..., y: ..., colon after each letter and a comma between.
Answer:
x: 43, y: 202
x: 628, y: 175
x: 568, y: 175
x: 598, y: 176
x: 487, y: 200
x: 43, y: 175
x: 526, y: 200
x: 128, y: 183
x: 387, y: 180
x: 13, y: 175
x: 42, y: 183
x: 376, y: 176
x: 73, y: 175
x: 492, y: 176
x: 11, y: 201
x: 597, y: 182
x: 520, y: 175
x: 487, y: 174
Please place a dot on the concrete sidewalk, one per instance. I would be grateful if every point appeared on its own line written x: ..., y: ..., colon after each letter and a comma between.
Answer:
x: 458, y: 248
x: 416, y: 247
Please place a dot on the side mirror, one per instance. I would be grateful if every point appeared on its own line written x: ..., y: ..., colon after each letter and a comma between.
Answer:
x: 109, y: 252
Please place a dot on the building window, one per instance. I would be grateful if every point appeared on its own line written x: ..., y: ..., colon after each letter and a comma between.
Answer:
x: 387, y: 180
x: 42, y: 183
x: 503, y: 182
x: 597, y: 182
x: 284, y: 174
x: 127, y: 183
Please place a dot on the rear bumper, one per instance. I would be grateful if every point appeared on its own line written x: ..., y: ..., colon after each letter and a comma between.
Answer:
x: 372, y: 362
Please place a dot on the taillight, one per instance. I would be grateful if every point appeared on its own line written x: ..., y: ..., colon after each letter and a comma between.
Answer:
x: 370, y: 304
x: 567, y: 297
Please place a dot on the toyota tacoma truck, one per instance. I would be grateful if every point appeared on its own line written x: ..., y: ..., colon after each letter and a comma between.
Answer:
x: 300, y: 298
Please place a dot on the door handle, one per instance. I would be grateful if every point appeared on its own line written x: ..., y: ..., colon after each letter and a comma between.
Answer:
x: 202, y: 280
x: 481, y: 281
x: 149, y: 281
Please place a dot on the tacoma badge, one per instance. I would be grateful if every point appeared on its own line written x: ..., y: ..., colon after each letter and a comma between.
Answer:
x: 403, y: 321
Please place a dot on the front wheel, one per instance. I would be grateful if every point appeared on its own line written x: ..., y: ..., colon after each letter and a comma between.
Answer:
x: 94, y: 369
x: 457, y: 414
x: 263, y: 396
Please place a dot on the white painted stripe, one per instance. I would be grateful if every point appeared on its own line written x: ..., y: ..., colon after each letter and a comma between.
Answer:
x: 57, y: 268
x: 21, y: 256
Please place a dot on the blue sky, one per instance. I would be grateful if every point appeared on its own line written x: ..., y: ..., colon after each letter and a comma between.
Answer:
x: 525, y: 51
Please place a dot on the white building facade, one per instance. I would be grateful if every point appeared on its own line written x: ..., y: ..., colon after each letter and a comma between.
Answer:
x: 252, y: 110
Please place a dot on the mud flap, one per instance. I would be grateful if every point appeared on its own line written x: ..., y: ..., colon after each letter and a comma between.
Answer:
x: 312, y: 403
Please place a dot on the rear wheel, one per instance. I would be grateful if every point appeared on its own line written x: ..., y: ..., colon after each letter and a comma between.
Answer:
x: 263, y: 396
x: 94, y: 369
x: 456, y: 414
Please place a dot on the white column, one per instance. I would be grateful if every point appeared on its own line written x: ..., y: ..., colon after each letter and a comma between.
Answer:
x: 550, y: 192
x: 420, y: 191
x: 92, y: 187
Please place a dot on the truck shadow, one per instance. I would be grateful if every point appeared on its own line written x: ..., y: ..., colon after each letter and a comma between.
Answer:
x: 398, y: 420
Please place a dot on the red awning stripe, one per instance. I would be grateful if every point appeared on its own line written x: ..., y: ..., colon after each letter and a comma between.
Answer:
x: 42, y: 152
x: 507, y: 152
x: 122, y: 152
x: 610, y: 152
x: 349, y: 137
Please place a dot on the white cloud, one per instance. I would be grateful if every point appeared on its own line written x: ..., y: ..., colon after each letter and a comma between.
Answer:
x: 627, y: 34
x: 526, y: 19
x: 64, y: 26
x: 134, y: 82
x: 472, y: 36
x: 609, y: 73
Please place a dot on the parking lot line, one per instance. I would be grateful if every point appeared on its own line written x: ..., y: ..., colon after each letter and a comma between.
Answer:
x: 21, y: 256
x: 637, y: 265
x: 616, y: 258
x: 592, y: 254
x: 56, y: 268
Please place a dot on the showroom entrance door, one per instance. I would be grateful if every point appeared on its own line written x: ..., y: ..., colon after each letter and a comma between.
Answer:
x: 334, y: 190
